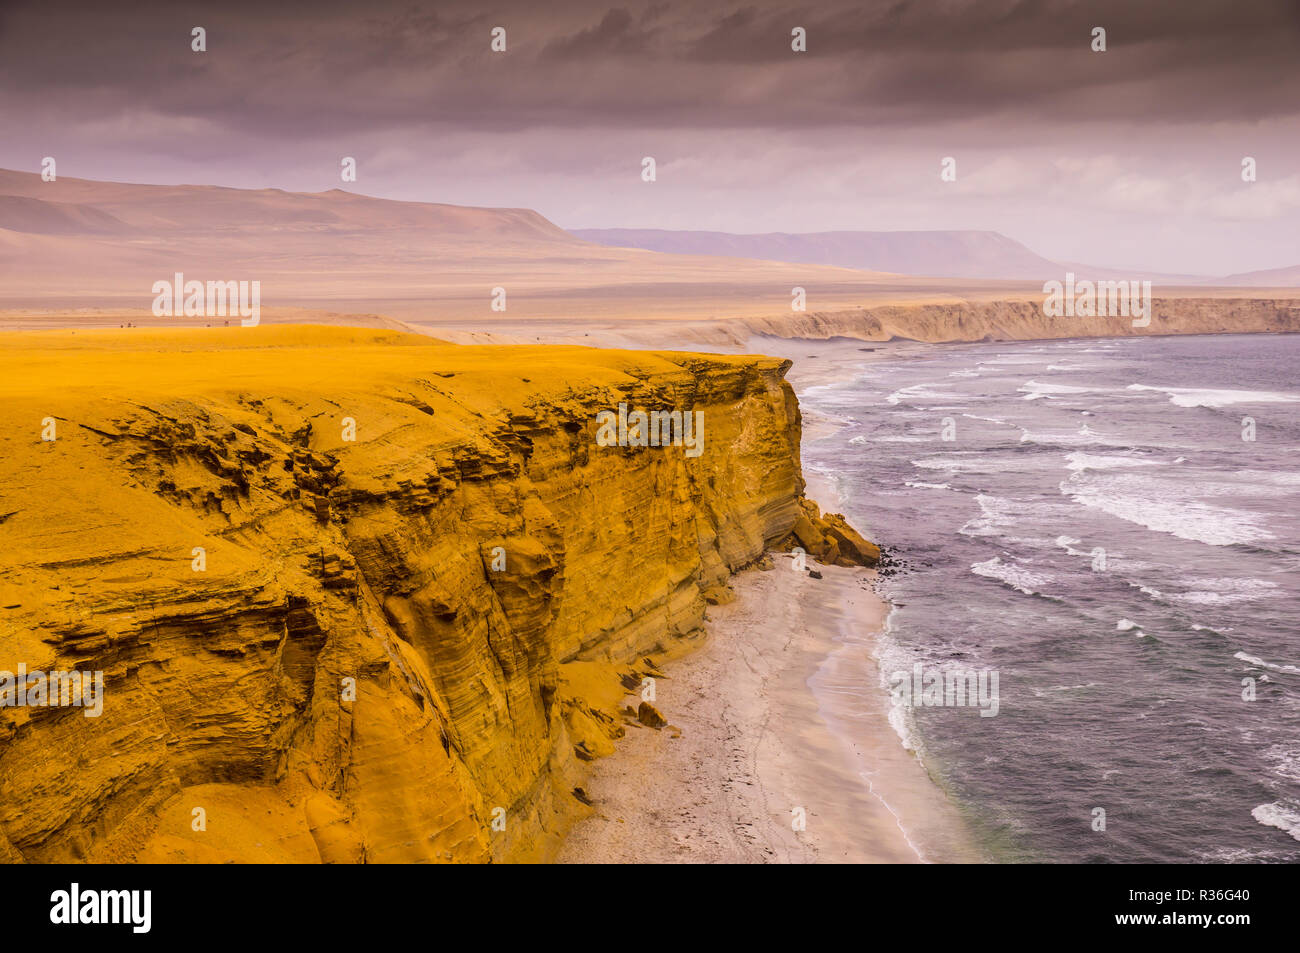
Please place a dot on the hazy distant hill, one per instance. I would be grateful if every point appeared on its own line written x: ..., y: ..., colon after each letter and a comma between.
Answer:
x: 1272, y: 278
x: 955, y: 254
x: 941, y: 254
x: 20, y: 213
x: 77, y: 243
x: 66, y: 206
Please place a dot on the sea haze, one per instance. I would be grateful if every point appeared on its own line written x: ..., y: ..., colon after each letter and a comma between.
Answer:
x: 1099, y: 533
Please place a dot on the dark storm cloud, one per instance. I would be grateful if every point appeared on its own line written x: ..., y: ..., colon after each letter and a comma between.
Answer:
x: 745, y: 32
x: 329, y: 67
x: 618, y: 33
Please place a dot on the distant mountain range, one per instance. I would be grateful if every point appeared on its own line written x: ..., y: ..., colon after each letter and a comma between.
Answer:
x: 939, y: 254
x: 82, y: 243
x: 79, y: 243
x: 944, y: 254
x: 83, y: 206
x: 1272, y: 278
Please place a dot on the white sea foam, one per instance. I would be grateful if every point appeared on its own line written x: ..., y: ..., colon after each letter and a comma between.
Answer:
x: 890, y: 658
x: 1259, y: 479
x: 927, y: 486
x: 1014, y: 360
x: 1033, y: 390
x: 1206, y: 397
x: 1044, y: 692
x: 1078, y: 460
x: 1162, y: 508
x: 1000, y: 517
x: 996, y: 515
x: 1017, y: 577
x: 1127, y: 625
x: 992, y: 420
x: 1281, y: 815
x: 1138, y: 480
x: 958, y: 463
x: 1084, y: 436
x: 1235, y: 855
x: 918, y: 392
x: 1254, y: 660
x: 1068, y: 543
x: 1285, y: 760
x: 1223, y: 592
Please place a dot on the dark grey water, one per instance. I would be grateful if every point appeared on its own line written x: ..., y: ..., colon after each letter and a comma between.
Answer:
x: 1099, y: 533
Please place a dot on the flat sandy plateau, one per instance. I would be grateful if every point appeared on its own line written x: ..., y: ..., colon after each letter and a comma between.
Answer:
x: 768, y: 717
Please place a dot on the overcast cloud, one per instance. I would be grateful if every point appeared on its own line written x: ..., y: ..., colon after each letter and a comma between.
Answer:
x: 1129, y: 157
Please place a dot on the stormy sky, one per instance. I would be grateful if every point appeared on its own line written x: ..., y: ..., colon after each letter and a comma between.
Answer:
x: 1131, y: 157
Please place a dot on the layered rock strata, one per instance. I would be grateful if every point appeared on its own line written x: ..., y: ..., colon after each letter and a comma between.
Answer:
x: 356, y: 596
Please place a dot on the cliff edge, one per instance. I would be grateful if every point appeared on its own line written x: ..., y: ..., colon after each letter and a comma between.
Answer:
x: 356, y: 596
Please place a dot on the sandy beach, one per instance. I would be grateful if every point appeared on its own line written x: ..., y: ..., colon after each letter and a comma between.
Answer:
x: 766, y: 719
x: 780, y: 712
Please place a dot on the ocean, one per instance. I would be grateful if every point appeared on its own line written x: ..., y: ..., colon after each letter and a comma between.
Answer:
x: 1112, y: 526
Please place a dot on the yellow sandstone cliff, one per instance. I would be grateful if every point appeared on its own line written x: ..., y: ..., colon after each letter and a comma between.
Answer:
x: 311, y: 651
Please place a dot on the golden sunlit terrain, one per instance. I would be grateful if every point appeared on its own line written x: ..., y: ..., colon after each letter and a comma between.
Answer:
x: 357, y: 595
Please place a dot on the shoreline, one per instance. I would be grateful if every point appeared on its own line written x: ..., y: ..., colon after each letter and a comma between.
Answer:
x: 844, y: 682
x: 746, y: 746
x: 781, y: 710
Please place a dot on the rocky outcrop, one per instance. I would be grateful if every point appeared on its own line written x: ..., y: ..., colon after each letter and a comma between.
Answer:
x: 830, y: 538
x: 356, y: 595
x: 1022, y: 319
x: 933, y: 318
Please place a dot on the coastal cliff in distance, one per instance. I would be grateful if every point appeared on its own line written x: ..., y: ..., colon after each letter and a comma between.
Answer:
x: 1022, y: 319
x: 357, y: 596
x: 949, y: 320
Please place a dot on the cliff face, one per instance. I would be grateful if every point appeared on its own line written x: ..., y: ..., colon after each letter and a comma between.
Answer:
x: 395, y: 647
x: 1023, y: 320
x: 934, y: 318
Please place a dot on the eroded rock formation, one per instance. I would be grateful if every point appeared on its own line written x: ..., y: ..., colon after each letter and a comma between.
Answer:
x: 397, y: 647
x: 1021, y: 318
